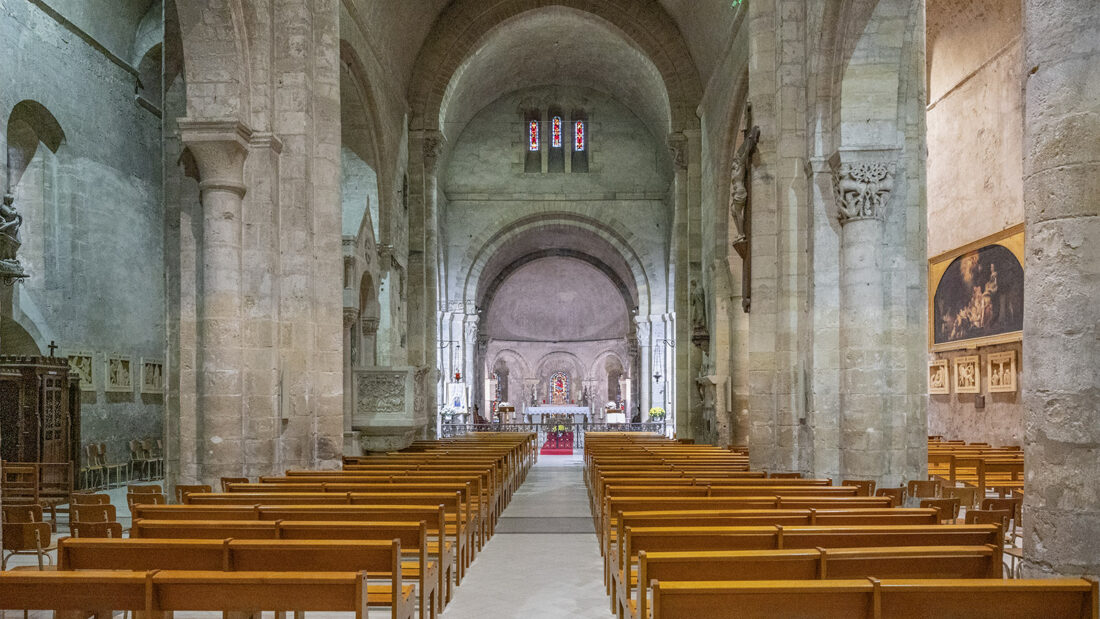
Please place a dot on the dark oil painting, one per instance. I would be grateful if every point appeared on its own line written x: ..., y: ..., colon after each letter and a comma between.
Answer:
x: 981, y: 294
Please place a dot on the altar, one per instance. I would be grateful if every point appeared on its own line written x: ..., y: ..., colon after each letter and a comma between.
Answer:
x: 536, y: 414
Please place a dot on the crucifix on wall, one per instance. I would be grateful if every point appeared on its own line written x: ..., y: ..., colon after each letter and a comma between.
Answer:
x: 739, y: 205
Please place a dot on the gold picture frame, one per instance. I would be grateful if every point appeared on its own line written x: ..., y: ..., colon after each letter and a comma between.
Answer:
x: 975, y: 293
x: 1001, y: 372
x: 939, y: 378
x: 968, y: 374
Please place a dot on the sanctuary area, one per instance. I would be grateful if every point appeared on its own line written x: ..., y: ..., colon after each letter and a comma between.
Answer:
x: 645, y: 309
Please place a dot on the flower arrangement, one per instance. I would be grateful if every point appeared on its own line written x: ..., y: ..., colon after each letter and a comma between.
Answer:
x: 656, y: 413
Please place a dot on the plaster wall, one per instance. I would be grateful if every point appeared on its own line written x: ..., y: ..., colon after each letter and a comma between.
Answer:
x: 92, y: 212
x: 975, y: 70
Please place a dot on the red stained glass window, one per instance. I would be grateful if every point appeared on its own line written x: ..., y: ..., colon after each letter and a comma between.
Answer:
x: 533, y: 135
x: 579, y: 138
x: 555, y: 136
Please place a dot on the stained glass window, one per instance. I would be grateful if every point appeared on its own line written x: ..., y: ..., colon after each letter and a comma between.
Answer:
x: 559, y: 388
x: 555, y: 139
x: 533, y: 135
x: 579, y: 137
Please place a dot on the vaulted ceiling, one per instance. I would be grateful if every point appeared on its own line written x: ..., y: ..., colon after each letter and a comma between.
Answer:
x: 401, y: 26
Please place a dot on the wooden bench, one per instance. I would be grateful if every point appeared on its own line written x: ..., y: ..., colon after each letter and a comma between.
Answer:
x: 443, y: 537
x: 806, y: 564
x: 452, y: 503
x: 379, y: 559
x: 428, y: 567
x: 76, y: 593
x: 693, y: 539
x: 875, y: 599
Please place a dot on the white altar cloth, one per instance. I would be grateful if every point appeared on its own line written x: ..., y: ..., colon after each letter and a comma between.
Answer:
x: 557, y: 410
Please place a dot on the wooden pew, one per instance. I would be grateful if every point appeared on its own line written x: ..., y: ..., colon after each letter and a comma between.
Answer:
x: 379, y: 559
x: 443, y: 537
x: 166, y: 591
x: 411, y: 535
x: 685, y: 539
x: 807, y: 564
x: 874, y: 599
x: 452, y: 503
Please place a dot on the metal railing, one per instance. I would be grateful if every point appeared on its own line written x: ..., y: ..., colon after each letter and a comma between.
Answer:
x: 546, y: 431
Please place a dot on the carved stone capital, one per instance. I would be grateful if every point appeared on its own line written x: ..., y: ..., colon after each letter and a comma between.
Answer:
x: 370, y: 326
x: 471, y: 327
x: 643, y: 329
x: 677, y: 146
x: 351, y: 315
x: 862, y: 187
x: 431, y: 144
x: 219, y: 147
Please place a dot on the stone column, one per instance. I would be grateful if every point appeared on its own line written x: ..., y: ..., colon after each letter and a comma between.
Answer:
x: 351, y: 321
x: 368, y: 350
x: 645, y: 367
x: 469, y: 365
x: 862, y: 191
x: 1061, y: 355
x: 219, y: 148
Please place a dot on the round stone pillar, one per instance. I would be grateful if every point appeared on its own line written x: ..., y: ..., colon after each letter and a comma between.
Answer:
x: 1061, y: 354
x: 219, y: 148
x: 862, y: 191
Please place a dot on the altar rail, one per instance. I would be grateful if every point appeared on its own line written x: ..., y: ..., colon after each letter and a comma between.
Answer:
x: 544, y: 430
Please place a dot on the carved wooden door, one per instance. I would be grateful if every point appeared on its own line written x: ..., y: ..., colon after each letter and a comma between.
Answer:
x: 55, y: 430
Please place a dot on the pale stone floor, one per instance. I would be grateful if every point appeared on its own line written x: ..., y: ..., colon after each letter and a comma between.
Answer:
x: 544, y: 561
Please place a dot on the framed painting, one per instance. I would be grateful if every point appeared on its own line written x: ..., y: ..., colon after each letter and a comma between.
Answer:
x: 976, y: 293
x: 968, y: 374
x: 1000, y: 368
x: 119, y: 374
x: 938, y: 378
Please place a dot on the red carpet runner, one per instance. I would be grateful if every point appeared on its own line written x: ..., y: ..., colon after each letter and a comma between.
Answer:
x: 558, y: 445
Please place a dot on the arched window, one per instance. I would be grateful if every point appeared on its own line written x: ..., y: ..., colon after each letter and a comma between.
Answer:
x: 555, y: 158
x: 532, y: 161
x: 559, y: 388
x: 581, y: 141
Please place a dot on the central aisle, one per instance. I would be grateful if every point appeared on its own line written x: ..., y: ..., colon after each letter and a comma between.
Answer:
x: 544, y: 560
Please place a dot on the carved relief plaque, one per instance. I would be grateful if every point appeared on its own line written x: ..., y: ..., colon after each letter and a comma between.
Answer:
x: 119, y: 374
x: 1001, y: 369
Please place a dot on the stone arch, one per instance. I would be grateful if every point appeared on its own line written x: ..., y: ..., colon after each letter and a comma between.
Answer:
x: 217, y: 64
x: 463, y: 25
x: 29, y: 124
x: 359, y: 99
x: 865, y: 65
x: 485, y: 245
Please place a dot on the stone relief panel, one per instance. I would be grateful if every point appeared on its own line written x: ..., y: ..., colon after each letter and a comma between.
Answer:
x: 152, y: 376
x: 82, y: 364
x: 1001, y: 369
x: 380, y: 393
x: 119, y: 373
x: 938, y: 378
x: 968, y: 374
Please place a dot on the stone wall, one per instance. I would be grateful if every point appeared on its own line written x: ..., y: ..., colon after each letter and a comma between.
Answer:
x: 975, y: 69
x: 620, y: 204
x: 92, y: 241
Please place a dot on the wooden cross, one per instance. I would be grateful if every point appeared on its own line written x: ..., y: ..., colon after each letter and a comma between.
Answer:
x: 52, y: 347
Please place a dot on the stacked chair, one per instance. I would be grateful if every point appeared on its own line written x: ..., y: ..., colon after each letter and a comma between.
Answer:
x: 688, y: 531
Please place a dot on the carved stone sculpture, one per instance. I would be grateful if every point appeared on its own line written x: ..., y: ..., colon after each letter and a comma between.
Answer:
x: 862, y: 189
x: 739, y: 193
x: 10, y: 221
